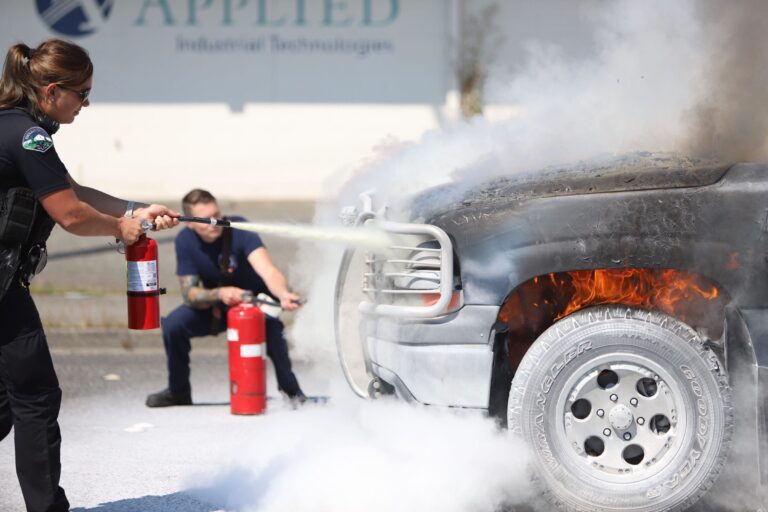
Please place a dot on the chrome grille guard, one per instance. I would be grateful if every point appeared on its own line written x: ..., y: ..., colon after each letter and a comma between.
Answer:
x: 436, y: 271
x: 379, y: 280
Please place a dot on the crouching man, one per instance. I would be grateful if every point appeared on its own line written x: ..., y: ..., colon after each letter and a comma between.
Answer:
x: 215, y: 267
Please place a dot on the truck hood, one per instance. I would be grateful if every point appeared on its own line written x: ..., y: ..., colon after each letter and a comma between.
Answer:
x: 636, y: 171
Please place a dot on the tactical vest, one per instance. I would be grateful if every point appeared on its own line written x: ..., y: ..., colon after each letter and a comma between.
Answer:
x: 24, y: 228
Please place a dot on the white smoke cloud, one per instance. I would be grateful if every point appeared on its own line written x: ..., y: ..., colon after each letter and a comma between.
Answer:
x: 634, y: 92
x: 373, y: 456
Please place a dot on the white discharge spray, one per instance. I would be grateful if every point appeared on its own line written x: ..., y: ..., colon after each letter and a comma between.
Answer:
x: 367, y: 237
x: 364, y: 237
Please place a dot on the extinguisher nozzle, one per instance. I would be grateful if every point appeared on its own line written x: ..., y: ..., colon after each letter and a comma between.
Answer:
x: 213, y: 222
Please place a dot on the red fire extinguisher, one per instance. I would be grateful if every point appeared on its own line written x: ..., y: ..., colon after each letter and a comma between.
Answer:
x: 246, y: 336
x: 143, y: 284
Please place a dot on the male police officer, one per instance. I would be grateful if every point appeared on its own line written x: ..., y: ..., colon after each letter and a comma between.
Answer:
x: 216, y: 267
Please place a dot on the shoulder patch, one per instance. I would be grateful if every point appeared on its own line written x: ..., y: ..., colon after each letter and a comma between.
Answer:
x: 37, y: 139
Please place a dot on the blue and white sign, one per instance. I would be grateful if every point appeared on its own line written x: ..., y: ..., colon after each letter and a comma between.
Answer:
x: 314, y: 86
x: 74, y: 18
x: 243, y: 51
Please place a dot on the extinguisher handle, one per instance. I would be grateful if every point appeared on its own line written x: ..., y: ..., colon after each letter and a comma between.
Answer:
x: 263, y: 298
x: 146, y: 225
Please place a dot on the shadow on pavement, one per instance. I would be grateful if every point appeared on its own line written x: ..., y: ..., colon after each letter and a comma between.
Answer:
x: 177, y: 501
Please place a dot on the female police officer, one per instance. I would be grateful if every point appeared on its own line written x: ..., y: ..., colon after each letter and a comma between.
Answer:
x: 41, y: 88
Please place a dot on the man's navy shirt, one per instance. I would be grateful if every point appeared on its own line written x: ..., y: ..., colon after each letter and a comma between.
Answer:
x: 195, y: 257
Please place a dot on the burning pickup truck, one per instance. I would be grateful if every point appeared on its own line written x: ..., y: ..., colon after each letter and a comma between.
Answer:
x: 613, y: 314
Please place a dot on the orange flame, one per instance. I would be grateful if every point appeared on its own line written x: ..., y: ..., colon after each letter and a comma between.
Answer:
x: 541, y: 301
x: 645, y: 288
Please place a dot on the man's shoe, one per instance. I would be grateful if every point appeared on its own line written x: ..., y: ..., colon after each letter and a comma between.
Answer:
x: 166, y: 398
x: 296, y: 400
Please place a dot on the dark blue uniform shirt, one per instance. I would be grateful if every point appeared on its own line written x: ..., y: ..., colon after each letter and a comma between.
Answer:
x: 196, y: 257
x: 27, y: 156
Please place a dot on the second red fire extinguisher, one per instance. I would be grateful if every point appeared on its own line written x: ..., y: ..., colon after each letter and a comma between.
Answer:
x: 143, y: 284
x: 246, y: 337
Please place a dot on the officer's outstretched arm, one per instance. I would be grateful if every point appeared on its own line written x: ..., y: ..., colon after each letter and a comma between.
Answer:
x: 80, y: 218
x: 161, y: 216
x: 99, y: 200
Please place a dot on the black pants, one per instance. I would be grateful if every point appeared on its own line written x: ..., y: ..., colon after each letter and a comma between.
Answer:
x: 185, y: 323
x: 30, y: 398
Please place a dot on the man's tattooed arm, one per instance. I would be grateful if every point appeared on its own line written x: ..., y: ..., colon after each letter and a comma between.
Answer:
x: 194, y: 295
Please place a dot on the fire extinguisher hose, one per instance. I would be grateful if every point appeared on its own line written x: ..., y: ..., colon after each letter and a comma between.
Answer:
x: 146, y: 225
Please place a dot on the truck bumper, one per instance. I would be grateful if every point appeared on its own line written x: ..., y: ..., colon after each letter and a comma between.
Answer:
x: 444, y: 361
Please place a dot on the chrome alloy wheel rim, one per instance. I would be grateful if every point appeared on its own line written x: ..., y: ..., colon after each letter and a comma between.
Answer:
x: 621, y: 415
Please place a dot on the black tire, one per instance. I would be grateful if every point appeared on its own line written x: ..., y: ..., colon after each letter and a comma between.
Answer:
x: 623, y: 409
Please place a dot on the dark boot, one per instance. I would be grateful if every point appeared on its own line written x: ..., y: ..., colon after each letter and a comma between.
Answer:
x: 167, y: 398
x: 296, y: 400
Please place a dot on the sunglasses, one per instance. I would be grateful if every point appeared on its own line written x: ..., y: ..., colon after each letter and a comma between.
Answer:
x: 83, y: 94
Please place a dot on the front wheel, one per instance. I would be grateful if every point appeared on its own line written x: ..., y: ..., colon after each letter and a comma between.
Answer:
x: 624, y: 409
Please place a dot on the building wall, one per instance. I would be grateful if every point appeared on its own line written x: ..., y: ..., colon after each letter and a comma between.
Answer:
x: 254, y: 99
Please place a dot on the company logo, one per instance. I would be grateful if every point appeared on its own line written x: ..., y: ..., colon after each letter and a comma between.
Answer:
x: 74, y: 18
